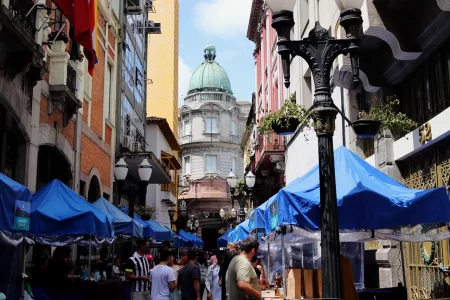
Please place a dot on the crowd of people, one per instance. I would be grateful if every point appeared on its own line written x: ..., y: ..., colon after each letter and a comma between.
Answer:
x: 232, y: 273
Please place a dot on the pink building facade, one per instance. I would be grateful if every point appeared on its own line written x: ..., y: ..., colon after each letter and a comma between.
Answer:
x: 269, y: 96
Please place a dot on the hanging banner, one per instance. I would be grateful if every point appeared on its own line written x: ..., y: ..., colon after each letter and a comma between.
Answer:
x: 274, y: 214
x: 22, y: 215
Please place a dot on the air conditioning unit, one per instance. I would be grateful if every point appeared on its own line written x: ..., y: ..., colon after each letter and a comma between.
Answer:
x: 152, y: 28
x: 133, y: 7
x: 127, y: 142
x: 137, y: 147
x: 148, y: 5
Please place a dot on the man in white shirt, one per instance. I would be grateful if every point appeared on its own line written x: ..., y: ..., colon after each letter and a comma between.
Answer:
x: 163, y: 277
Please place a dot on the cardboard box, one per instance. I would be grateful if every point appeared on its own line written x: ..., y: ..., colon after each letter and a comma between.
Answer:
x: 304, y: 283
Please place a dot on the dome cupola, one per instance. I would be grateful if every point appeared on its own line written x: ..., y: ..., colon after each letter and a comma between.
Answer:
x: 210, y: 76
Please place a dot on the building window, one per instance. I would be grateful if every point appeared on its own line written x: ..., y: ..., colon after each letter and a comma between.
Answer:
x: 211, y: 163
x: 233, y: 128
x: 108, y: 94
x: 233, y: 164
x: 187, y: 127
x: 187, y: 165
x: 211, y: 125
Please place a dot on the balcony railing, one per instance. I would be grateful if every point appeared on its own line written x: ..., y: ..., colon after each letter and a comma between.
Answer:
x: 208, y: 137
x: 268, y: 143
x: 71, y: 79
x: 19, y: 10
x: 171, y: 187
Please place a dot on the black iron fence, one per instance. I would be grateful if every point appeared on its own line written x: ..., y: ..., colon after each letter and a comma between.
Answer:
x: 19, y: 10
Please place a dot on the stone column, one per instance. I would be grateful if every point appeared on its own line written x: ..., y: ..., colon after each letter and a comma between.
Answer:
x: 388, y: 256
x: 58, y: 64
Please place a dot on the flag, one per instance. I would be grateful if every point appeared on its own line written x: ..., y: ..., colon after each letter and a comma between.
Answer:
x: 82, y: 14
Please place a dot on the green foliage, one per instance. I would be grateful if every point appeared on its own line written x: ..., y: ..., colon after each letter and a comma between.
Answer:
x: 147, y: 210
x: 398, y: 123
x: 222, y: 230
x: 240, y: 187
x: 290, y: 110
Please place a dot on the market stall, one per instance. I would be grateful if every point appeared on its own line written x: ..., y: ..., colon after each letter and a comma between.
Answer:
x: 371, y: 206
x: 14, y: 224
x: 60, y: 217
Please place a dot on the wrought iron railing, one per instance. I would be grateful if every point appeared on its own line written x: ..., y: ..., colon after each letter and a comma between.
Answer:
x: 71, y: 79
x: 19, y: 10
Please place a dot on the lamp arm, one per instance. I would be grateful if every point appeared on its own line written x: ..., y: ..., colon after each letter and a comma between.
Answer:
x: 319, y: 51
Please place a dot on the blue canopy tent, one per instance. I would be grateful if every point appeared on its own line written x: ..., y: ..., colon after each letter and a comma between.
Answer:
x: 147, y: 230
x: 240, y: 232
x: 191, y: 237
x: 180, y: 242
x: 123, y: 224
x: 222, y: 241
x: 162, y: 233
x: 10, y: 191
x: 378, y: 201
x: 56, y: 210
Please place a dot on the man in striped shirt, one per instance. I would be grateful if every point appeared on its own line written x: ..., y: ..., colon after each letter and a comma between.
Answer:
x: 138, y: 272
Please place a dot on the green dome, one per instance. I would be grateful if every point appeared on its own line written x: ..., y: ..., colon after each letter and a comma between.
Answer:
x: 210, y: 76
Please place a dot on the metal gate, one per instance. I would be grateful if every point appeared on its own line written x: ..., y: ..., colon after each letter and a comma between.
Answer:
x: 429, y: 169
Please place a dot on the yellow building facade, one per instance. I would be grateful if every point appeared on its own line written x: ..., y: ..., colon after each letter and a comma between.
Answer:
x: 162, y: 64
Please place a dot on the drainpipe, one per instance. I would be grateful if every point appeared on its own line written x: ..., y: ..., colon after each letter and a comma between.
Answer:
x: 117, y: 123
x: 119, y: 55
x: 342, y: 119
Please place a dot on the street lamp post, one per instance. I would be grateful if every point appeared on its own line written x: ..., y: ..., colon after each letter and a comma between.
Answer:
x: 145, y: 172
x: 319, y: 51
x: 249, y: 184
x: 171, y: 212
x: 120, y: 172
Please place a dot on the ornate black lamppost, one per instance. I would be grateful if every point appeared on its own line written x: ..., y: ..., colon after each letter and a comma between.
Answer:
x: 242, y: 197
x: 319, y: 50
x: 145, y: 172
x: 181, y: 215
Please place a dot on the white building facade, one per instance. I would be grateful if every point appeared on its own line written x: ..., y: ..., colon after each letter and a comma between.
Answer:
x: 211, y: 124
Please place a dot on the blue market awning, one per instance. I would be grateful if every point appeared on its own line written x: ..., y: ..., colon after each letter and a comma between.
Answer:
x: 222, y: 241
x: 189, y: 236
x: 240, y: 232
x: 162, y: 233
x: 147, y: 231
x: 367, y: 199
x: 56, y: 210
x: 123, y: 224
x: 10, y: 191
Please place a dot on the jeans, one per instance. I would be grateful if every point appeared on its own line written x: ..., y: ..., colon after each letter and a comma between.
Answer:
x: 140, y: 295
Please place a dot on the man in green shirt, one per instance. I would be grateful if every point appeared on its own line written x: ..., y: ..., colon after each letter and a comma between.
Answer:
x: 242, y: 283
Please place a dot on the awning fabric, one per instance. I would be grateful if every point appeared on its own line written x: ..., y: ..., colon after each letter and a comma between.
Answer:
x: 123, y: 224
x: 56, y: 210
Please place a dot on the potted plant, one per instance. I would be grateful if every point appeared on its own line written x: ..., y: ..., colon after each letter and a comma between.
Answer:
x: 286, y: 120
x: 62, y: 36
x: 147, y: 212
x: 381, y: 117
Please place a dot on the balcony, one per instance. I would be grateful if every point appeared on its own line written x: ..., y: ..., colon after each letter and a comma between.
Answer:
x: 169, y: 193
x: 62, y: 83
x: 20, y: 52
x: 209, y: 137
x: 268, y: 151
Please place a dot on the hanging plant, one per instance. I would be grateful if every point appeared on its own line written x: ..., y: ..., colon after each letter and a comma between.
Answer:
x: 147, y: 212
x: 240, y: 187
x: 381, y: 117
x: 62, y: 36
x: 222, y: 230
x: 286, y: 120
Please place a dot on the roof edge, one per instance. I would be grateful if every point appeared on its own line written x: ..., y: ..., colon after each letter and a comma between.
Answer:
x: 166, y: 130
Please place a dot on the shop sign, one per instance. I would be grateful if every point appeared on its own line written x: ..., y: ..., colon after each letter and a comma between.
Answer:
x: 274, y: 214
x: 22, y: 215
x: 373, y: 245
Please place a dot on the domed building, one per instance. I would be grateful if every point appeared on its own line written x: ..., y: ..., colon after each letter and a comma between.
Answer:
x: 211, y: 125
